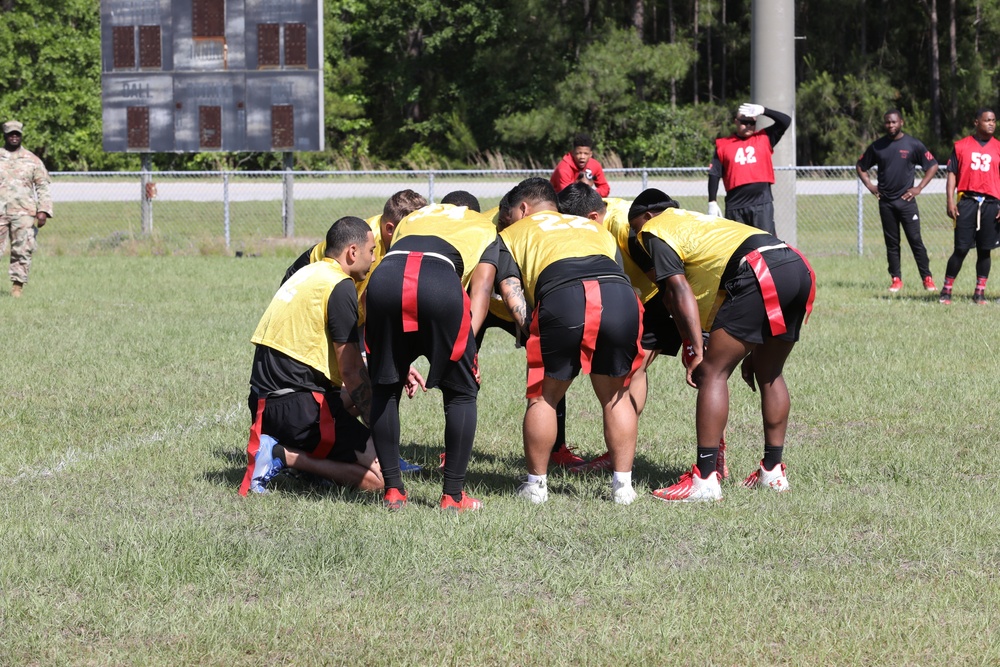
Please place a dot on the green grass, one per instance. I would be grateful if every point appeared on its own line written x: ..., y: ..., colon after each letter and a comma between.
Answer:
x: 826, y: 225
x: 123, y: 541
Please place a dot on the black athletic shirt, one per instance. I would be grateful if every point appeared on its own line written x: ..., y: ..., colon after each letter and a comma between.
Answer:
x: 897, y: 161
x: 274, y: 370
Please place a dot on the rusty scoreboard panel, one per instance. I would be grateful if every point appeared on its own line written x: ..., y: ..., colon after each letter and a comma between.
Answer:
x: 212, y: 75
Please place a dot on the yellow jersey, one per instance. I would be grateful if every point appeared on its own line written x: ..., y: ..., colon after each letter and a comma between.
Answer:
x: 295, y: 321
x: 468, y: 232
x: 541, y: 239
x: 705, y: 244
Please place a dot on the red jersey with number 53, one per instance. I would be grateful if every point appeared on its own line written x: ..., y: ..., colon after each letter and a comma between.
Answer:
x: 745, y: 160
x: 977, y: 166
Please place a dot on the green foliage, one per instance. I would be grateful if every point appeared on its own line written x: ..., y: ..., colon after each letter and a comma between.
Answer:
x: 469, y: 78
x: 600, y: 93
x: 51, y: 79
x: 656, y: 135
x: 839, y: 116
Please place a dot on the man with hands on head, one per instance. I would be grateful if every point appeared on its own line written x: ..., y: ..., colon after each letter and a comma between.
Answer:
x: 742, y: 161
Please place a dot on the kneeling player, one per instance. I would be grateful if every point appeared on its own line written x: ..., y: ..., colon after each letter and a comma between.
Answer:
x: 306, y: 348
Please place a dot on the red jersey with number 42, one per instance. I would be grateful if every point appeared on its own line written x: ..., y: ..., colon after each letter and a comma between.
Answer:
x: 978, y: 166
x: 745, y: 160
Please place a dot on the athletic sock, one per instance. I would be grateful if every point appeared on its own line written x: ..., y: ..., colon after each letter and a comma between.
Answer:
x: 707, y: 458
x: 457, y: 497
x: 981, y: 283
x: 536, y: 479
x: 949, y: 282
x: 621, y: 478
x: 772, y: 456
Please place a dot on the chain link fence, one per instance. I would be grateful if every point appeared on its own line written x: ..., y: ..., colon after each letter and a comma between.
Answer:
x: 265, y: 212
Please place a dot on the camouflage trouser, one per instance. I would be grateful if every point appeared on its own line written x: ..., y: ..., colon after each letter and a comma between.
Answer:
x: 22, y: 231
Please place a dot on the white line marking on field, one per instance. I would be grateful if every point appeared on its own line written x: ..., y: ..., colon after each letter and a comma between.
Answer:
x: 74, y: 455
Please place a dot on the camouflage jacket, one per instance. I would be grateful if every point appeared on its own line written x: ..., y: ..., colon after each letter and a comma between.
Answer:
x: 24, y: 183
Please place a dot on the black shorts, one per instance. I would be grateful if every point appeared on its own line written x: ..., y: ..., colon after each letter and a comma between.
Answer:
x: 561, y: 323
x: 987, y: 236
x: 293, y: 420
x: 760, y: 216
x: 743, y: 314
x: 441, y: 306
x: 659, y: 332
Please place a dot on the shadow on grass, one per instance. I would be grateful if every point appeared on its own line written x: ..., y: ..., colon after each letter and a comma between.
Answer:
x: 486, y: 474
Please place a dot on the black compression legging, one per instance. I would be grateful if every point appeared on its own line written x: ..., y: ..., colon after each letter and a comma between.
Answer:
x: 385, y: 432
x: 460, y: 417
x: 983, y: 263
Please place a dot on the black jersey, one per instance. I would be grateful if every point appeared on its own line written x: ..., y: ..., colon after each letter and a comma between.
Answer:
x: 897, y: 161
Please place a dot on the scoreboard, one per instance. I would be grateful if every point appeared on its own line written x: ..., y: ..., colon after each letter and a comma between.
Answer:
x: 212, y: 75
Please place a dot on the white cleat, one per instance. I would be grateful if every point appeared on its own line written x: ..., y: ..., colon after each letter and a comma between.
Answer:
x: 624, y: 494
x: 536, y: 492
x: 774, y: 479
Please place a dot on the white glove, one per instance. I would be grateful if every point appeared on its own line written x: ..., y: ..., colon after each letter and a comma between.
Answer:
x: 713, y: 209
x: 749, y: 110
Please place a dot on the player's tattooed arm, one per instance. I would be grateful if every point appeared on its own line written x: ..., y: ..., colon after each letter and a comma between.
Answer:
x: 512, y: 293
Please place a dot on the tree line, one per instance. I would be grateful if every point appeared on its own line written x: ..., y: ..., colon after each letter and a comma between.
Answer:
x: 507, y: 83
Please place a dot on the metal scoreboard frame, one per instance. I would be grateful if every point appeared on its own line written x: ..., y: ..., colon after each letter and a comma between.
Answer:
x: 191, y: 76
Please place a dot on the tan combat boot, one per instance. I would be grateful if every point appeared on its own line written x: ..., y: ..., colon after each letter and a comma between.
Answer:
x: 15, y: 290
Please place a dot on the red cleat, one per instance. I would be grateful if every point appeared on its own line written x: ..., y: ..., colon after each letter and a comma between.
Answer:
x: 394, y: 499
x: 692, y: 488
x: 720, y: 462
x: 565, y: 457
x: 468, y: 503
x: 602, y: 462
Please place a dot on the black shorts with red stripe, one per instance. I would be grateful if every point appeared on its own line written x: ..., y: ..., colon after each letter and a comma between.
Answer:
x: 743, y: 314
x: 293, y: 420
x: 441, y: 304
x: 561, y: 317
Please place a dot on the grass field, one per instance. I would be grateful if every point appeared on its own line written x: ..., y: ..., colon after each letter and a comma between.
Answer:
x: 123, y: 541
x: 826, y: 224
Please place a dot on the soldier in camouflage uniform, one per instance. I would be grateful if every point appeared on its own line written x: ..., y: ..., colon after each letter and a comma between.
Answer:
x: 25, y: 203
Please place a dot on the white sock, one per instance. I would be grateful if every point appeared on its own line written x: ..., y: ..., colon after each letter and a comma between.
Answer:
x: 535, y: 479
x: 621, y: 478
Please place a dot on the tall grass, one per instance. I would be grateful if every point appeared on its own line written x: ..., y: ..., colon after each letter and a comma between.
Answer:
x: 123, y: 424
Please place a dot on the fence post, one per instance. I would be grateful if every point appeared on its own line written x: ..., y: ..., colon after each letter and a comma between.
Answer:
x: 288, y: 201
x: 145, y: 191
x: 225, y: 206
x: 645, y: 180
x: 861, y: 218
x: 430, y: 187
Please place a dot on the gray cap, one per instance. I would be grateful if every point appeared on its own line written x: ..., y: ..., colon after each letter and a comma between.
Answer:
x: 13, y: 126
